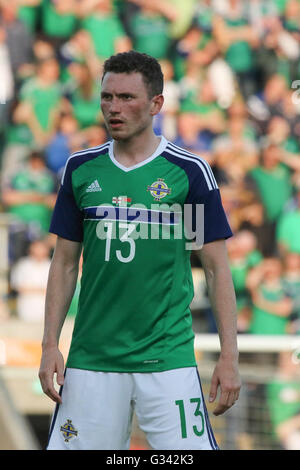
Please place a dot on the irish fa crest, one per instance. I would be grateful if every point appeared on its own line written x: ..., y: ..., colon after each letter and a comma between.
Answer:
x: 159, y: 189
x: 68, y: 430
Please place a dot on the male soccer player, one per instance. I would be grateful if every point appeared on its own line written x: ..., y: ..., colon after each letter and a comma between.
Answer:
x: 133, y: 346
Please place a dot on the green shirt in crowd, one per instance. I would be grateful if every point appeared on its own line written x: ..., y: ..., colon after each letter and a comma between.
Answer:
x: 288, y: 230
x: 280, y: 5
x: 29, y: 16
x: 104, y: 31
x: 239, y: 272
x: 37, y: 213
x: 264, y: 322
x: 275, y: 188
x: 150, y: 35
x: 192, y: 104
x: 283, y: 400
x: 43, y: 99
x: 86, y: 110
x: 55, y: 24
x: 239, y: 54
x: 19, y: 134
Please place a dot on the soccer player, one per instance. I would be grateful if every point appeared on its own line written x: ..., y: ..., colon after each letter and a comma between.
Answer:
x: 133, y: 346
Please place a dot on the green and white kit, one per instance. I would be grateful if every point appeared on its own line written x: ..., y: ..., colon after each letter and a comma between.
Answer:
x: 136, y: 286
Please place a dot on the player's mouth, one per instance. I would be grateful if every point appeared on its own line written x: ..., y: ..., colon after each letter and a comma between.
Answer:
x: 115, y: 123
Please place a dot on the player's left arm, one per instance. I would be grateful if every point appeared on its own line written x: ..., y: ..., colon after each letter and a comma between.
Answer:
x: 226, y: 376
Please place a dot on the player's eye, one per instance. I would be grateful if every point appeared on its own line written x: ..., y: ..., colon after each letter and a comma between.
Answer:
x: 106, y: 96
x: 126, y: 97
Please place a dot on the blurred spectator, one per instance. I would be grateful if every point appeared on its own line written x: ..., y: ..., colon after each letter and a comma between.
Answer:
x: 58, y: 20
x: 64, y: 142
x: 190, y: 81
x: 190, y: 138
x: 271, y: 305
x: 237, y: 39
x: 30, y: 196
x: 283, y: 400
x: 242, y: 207
x: 279, y: 133
x: 84, y: 98
x: 69, y: 139
x: 288, y: 229
x: 7, y: 84
x: 274, y: 93
x: 101, y: 21
x: 202, y: 102
x: 223, y: 82
x: 166, y: 122
x: 236, y: 151
x: 79, y: 49
x: 261, y: 14
x: 6, y: 88
x: 198, y: 46
x: 280, y: 50
x: 17, y: 37
x: 94, y: 136
x: 272, y: 181
x: 269, y: 102
x: 183, y: 16
x: 290, y: 112
x: 43, y: 50
x: 204, y: 14
x: 243, y: 256
x: 40, y: 102
x: 17, y: 146
x: 291, y: 280
x: 149, y: 27
x: 29, y: 278
x: 28, y: 12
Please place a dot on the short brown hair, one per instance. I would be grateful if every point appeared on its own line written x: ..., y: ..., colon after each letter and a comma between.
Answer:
x: 133, y: 61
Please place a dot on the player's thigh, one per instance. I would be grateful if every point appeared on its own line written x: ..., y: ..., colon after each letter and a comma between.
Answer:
x: 171, y: 410
x: 95, y: 413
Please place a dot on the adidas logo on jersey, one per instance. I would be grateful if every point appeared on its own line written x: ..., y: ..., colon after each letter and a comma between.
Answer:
x: 95, y: 186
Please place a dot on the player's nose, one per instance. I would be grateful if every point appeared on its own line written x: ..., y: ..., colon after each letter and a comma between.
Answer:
x: 114, y: 106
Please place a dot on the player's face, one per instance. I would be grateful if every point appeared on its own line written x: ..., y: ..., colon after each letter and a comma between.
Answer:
x: 126, y: 106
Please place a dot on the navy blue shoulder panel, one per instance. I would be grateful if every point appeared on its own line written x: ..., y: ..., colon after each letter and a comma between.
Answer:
x: 198, y: 171
x: 67, y: 218
x: 77, y: 159
x: 203, y: 190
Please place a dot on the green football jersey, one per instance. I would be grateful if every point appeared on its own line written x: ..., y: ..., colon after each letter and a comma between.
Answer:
x: 136, y: 286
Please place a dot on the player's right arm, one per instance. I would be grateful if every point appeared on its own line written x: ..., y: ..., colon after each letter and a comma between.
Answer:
x: 61, y: 285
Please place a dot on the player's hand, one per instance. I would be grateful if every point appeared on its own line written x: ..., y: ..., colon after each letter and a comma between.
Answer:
x: 52, y: 362
x: 226, y: 377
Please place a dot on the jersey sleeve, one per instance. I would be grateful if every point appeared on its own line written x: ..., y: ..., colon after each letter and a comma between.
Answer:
x: 214, y: 223
x: 67, y: 218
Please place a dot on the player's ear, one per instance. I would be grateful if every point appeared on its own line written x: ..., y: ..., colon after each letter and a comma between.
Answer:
x: 156, y: 104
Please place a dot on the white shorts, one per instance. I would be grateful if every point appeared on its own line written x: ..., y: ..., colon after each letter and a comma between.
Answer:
x: 97, y: 409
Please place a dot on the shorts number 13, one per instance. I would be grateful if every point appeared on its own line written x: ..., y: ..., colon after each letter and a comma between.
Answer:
x: 198, y: 412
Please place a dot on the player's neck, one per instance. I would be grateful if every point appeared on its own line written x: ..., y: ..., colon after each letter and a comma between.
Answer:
x: 136, y: 149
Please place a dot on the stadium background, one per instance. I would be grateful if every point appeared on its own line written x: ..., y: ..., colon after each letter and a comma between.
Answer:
x: 232, y: 74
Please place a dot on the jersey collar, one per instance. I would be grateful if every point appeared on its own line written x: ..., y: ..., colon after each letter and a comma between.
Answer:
x: 161, y: 147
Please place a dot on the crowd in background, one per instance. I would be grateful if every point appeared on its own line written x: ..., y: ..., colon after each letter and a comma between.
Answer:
x: 232, y: 95
x: 231, y: 71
